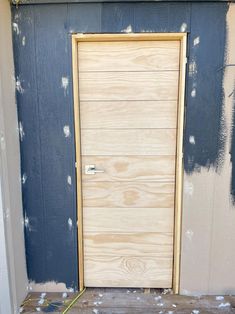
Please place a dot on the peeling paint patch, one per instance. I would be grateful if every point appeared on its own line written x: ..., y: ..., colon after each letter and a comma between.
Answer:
x: 193, y: 92
x: 16, y: 28
x: 66, y: 130
x: 70, y: 224
x: 192, y: 139
x: 23, y: 41
x: 192, y: 68
x: 19, y: 87
x: 69, y: 180
x: 183, y: 27
x: 196, y: 41
x: 50, y: 286
x: 26, y: 221
x: 65, y: 84
x: 128, y: 29
x: 21, y: 131
x: 24, y: 178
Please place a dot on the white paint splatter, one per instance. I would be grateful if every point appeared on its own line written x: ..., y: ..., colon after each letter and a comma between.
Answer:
x: 183, y: 27
x: 16, y: 28
x: 192, y: 139
x: 70, y: 224
x: 189, y: 234
x: 19, y: 87
x: 69, y: 180
x: 24, y: 178
x: 71, y: 290
x: 23, y: 40
x: 41, y: 301
x: 160, y: 304
x: 2, y: 142
x: 6, y: 213
x: 195, y: 311
x: 192, y: 68
x: 21, y: 309
x: 96, y: 303
x: 66, y: 130
x: 95, y: 311
x: 196, y: 41
x: 158, y: 298
x: 100, y: 295
x: 170, y: 312
x: 193, y: 92
x: 38, y: 309
x: 43, y: 294
x: 65, y: 84
x: 174, y: 305
x: 167, y: 291
x: 21, y: 131
x: 188, y: 188
x: 64, y: 295
x: 29, y: 288
x: 128, y: 29
x: 138, y: 298
x: 219, y: 298
x: 26, y: 221
x: 222, y: 305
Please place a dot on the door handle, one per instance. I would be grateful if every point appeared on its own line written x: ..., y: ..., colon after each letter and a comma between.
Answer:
x: 91, y: 169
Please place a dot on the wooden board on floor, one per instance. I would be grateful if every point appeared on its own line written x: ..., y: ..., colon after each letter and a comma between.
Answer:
x: 131, y: 301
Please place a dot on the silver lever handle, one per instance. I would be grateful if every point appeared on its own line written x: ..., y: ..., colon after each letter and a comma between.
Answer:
x: 91, y: 169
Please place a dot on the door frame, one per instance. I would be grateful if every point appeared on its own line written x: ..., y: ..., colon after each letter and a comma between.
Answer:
x: 182, y: 37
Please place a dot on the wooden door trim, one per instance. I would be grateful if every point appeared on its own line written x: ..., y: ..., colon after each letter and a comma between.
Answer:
x: 182, y: 37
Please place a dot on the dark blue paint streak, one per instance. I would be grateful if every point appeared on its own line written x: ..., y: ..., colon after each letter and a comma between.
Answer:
x: 232, y: 151
x: 205, y: 110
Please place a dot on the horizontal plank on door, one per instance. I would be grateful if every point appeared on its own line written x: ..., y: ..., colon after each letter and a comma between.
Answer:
x: 124, y: 220
x: 97, y: 86
x: 127, y: 271
x: 128, y: 194
x: 128, y: 114
x: 128, y: 142
x: 129, y: 244
x: 131, y: 168
x: 129, y: 56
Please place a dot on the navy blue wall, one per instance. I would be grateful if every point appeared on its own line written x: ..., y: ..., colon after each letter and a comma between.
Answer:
x: 42, y: 47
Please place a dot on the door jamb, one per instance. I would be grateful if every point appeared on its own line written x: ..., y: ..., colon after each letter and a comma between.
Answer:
x: 182, y: 37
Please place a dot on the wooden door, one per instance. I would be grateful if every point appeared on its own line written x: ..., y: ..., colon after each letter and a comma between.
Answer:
x: 128, y: 98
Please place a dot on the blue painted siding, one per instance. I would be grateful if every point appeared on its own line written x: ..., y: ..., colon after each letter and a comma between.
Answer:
x: 43, y: 58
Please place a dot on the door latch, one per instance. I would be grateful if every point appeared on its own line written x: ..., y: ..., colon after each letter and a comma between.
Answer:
x: 91, y: 169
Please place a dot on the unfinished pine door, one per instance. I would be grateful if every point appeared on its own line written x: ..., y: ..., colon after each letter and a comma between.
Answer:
x: 128, y: 94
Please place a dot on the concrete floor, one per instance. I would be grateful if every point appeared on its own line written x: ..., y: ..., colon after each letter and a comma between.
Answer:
x: 122, y: 301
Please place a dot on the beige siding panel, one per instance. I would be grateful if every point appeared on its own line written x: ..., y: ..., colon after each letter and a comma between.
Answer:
x: 142, y: 244
x: 131, y: 168
x: 128, y: 194
x: 129, y: 56
x: 126, y: 220
x: 129, y: 142
x: 107, y: 86
x: 129, y: 114
x: 128, y: 271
